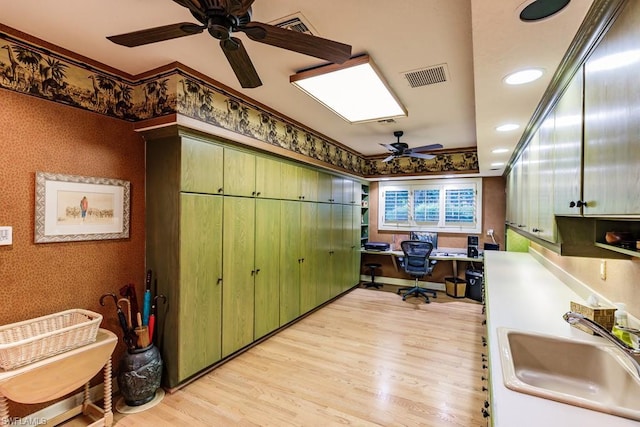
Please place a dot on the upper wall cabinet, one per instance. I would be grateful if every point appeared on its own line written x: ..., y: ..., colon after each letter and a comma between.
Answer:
x: 612, y: 121
x: 201, y: 167
x: 567, y: 157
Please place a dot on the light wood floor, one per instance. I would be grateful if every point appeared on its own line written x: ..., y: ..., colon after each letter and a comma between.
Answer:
x: 366, y: 359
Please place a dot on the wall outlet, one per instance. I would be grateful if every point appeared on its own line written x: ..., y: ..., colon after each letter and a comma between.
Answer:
x: 490, y: 232
x: 6, y: 236
x: 603, y: 269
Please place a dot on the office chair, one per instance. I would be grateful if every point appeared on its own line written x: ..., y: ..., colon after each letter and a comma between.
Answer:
x: 416, y: 262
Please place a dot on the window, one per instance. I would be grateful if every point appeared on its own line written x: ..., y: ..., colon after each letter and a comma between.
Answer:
x: 451, y: 205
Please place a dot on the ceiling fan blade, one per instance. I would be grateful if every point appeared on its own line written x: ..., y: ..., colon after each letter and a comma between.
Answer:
x: 238, y: 7
x: 157, y: 34
x: 391, y: 157
x: 426, y: 148
x: 421, y: 156
x: 194, y: 6
x: 318, y: 47
x: 389, y: 147
x: 240, y: 62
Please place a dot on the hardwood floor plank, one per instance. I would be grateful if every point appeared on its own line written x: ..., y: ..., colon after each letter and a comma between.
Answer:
x: 367, y: 359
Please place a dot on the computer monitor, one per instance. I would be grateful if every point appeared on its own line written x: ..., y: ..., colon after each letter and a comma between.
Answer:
x: 425, y: 236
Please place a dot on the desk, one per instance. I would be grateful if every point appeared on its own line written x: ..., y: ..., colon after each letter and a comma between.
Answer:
x: 454, y: 258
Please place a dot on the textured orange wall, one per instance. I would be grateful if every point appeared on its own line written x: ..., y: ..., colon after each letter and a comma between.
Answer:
x: 44, y: 278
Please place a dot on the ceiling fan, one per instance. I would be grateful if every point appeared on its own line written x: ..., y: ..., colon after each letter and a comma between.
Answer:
x: 221, y: 18
x: 401, y: 149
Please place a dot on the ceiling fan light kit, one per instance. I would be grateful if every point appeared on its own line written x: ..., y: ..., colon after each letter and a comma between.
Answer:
x: 354, y: 90
x: 221, y: 18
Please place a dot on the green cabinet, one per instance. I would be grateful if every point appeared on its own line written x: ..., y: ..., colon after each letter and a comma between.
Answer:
x: 241, y: 243
x: 267, y: 267
x: 201, y: 167
x: 290, y: 260
x: 238, y: 273
x: 239, y: 173
x: 567, y: 156
x: 199, y: 337
x: 268, y: 178
x: 310, y: 255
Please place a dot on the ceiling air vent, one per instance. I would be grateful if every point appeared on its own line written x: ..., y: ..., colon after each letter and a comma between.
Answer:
x: 296, y: 22
x: 427, y: 76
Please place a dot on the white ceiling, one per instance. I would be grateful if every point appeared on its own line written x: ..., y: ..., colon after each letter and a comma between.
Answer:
x: 480, y: 41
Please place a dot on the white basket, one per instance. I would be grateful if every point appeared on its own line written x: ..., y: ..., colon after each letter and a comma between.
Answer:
x: 31, y: 340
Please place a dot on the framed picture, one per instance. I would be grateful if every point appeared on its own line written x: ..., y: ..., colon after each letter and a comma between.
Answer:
x: 73, y: 208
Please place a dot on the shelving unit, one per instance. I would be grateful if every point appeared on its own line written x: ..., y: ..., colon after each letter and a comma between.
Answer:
x: 364, y: 228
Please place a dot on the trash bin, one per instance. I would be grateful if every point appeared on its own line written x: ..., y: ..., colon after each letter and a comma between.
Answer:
x: 455, y: 287
x: 474, y: 284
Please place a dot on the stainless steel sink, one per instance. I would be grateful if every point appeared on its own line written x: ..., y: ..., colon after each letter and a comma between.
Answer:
x: 591, y: 375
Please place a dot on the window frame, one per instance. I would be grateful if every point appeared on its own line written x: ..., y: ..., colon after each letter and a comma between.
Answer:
x: 441, y: 185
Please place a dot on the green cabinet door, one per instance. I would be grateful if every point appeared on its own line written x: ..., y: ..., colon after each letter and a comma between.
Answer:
x: 239, y: 173
x: 290, y: 182
x: 309, y: 256
x: 201, y: 167
x: 199, y: 334
x: 337, y: 251
x: 290, y: 260
x: 356, y: 218
x: 238, y: 273
x: 337, y: 190
x: 324, y: 256
x: 267, y: 266
x: 309, y: 184
x: 268, y: 178
x: 324, y: 187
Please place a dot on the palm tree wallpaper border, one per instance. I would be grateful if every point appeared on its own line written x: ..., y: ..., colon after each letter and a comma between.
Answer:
x: 30, y: 69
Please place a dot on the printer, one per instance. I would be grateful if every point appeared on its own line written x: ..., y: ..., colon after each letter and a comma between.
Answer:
x: 376, y: 246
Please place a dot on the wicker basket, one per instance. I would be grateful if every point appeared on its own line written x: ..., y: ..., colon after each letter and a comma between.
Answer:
x: 36, y: 339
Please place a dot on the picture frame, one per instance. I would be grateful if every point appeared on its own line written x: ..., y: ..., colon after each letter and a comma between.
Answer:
x: 77, y: 208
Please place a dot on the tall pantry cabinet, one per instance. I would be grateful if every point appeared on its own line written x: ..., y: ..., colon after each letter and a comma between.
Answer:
x: 237, y: 253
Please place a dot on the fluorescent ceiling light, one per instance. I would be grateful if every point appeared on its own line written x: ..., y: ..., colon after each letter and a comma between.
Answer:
x: 354, y: 90
x: 500, y: 150
x: 507, y: 127
x: 496, y: 164
x: 523, y: 76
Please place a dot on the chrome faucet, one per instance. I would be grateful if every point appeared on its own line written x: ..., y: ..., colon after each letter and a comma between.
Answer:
x: 576, y: 318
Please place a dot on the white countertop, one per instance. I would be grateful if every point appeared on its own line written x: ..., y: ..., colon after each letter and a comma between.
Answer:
x: 522, y: 294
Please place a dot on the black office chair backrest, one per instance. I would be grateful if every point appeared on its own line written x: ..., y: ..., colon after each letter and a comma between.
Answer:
x: 416, y: 257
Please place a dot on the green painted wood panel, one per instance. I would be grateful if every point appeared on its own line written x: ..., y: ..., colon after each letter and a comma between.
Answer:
x: 199, y: 340
x: 201, y: 166
x: 309, y: 184
x: 337, y: 251
x: 239, y: 173
x: 325, y: 258
x: 268, y: 178
x: 290, y: 182
x: 238, y: 273
x: 290, y: 260
x: 309, y: 255
x: 324, y: 187
x: 267, y: 264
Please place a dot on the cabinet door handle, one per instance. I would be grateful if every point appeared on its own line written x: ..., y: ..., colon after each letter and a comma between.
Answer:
x: 253, y: 193
x: 220, y: 190
x: 258, y: 193
x: 301, y: 259
x: 581, y: 204
x: 536, y: 230
x: 257, y: 271
x: 219, y: 280
x: 253, y: 272
x: 572, y: 204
